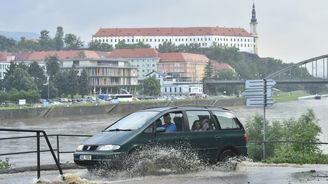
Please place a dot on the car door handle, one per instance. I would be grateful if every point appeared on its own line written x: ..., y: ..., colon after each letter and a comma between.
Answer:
x: 218, y: 137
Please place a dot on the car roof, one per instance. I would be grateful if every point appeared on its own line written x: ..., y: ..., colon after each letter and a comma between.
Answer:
x: 161, y: 109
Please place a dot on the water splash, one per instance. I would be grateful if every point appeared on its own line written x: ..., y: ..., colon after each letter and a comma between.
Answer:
x: 159, y: 160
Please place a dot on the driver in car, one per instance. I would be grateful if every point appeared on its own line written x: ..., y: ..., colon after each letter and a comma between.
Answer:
x: 168, y: 125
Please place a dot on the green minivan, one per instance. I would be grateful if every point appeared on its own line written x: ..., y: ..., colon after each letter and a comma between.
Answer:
x: 214, y: 133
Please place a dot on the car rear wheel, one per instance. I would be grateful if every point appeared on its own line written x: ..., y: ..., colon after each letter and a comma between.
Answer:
x: 226, y: 154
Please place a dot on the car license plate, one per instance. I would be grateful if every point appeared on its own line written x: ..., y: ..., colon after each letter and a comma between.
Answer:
x: 85, y: 157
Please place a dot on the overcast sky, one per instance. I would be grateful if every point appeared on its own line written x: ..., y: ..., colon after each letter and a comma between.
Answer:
x: 290, y: 30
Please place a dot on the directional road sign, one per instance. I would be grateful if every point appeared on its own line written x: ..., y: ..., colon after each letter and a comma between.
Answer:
x: 258, y: 83
x: 259, y: 102
x: 257, y: 90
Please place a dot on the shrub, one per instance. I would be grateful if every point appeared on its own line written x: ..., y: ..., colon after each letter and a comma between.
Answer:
x: 4, y: 164
x: 300, y: 132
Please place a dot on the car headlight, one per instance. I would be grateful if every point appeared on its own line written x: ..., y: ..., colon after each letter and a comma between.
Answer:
x: 108, y: 147
x: 79, y: 148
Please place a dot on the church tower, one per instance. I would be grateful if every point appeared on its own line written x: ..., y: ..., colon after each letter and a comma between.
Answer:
x: 253, y: 30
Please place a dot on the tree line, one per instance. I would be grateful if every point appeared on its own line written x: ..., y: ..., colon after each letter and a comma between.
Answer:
x: 61, y: 41
x: 30, y: 82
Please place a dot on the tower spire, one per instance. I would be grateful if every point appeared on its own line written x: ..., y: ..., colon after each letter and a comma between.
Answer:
x: 253, y: 20
x: 253, y: 28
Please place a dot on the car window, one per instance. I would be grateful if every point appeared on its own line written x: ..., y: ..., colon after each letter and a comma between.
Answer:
x: 226, y: 120
x: 172, y: 121
x: 200, y: 121
x: 133, y: 121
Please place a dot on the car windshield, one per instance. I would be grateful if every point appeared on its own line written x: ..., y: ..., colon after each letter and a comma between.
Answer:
x: 132, y: 121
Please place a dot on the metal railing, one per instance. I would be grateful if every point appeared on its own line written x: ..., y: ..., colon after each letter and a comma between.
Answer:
x: 38, y: 150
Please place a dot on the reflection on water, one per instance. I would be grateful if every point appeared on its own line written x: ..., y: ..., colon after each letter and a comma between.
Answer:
x: 95, y: 123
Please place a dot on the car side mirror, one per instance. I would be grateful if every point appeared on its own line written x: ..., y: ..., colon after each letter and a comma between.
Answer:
x: 160, y: 129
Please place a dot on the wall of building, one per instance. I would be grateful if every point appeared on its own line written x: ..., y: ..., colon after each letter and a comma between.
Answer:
x: 243, y: 43
x: 3, y: 69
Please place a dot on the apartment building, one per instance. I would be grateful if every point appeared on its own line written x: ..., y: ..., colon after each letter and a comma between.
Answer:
x: 144, y: 59
x: 105, y: 75
x: 186, y: 67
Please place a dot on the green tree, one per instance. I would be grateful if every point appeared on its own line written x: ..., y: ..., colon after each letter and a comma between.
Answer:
x: 46, y: 43
x: 53, y: 70
x: 122, y: 45
x: 227, y: 74
x: 1, y: 85
x: 98, y: 46
x: 21, y: 80
x: 60, y: 82
x: 7, y: 44
x: 167, y: 47
x: 52, y: 66
x: 208, y: 75
x: 73, y: 81
x: 9, y: 72
x: 72, y: 42
x: 59, y: 38
x: 37, y: 74
x: 67, y: 82
x: 83, y: 83
x: 28, y: 45
x: 151, y: 86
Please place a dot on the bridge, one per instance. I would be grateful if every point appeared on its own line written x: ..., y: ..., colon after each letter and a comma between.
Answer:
x: 310, y: 71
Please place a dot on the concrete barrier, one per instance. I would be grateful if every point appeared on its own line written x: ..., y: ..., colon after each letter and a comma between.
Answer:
x: 123, y: 108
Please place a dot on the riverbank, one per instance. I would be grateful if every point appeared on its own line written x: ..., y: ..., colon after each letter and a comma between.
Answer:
x: 122, y: 108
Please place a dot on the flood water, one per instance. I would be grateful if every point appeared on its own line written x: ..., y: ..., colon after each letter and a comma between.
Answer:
x: 93, y: 124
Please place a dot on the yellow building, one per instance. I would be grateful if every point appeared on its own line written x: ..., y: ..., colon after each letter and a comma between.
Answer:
x: 185, y: 66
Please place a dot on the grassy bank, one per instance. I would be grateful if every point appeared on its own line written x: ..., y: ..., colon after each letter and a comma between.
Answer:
x: 281, y: 96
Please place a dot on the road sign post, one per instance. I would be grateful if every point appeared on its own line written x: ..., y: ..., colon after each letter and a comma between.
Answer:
x: 258, y: 93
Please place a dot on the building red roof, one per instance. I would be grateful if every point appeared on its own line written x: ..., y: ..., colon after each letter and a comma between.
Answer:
x: 172, y: 31
x: 221, y: 66
x: 182, y: 57
x: 69, y: 54
x: 133, y: 53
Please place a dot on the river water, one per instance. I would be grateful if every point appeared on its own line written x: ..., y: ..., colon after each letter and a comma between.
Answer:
x: 95, y: 123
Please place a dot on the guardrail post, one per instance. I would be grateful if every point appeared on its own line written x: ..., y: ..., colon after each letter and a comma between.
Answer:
x: 38, y: 154
x: 57, y: 137
x: 53, y: 154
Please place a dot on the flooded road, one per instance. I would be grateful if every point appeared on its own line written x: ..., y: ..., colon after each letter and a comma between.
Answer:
x: 93, y: 124
x: 246, y: 173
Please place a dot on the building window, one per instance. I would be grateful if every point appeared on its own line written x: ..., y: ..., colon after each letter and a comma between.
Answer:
x: 150, y: 39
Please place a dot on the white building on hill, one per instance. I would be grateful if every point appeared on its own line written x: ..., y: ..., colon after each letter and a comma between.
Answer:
x: 204, y: 36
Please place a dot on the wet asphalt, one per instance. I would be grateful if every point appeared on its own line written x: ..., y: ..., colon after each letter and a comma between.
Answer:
x: 245, y: 173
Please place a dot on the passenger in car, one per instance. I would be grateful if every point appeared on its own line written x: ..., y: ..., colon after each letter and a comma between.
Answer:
x: 196, y: 126
x: 168, y: 125
x: 205, y: 125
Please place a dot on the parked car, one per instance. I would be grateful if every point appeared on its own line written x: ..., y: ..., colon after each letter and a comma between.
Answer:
x: 219, y: 137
